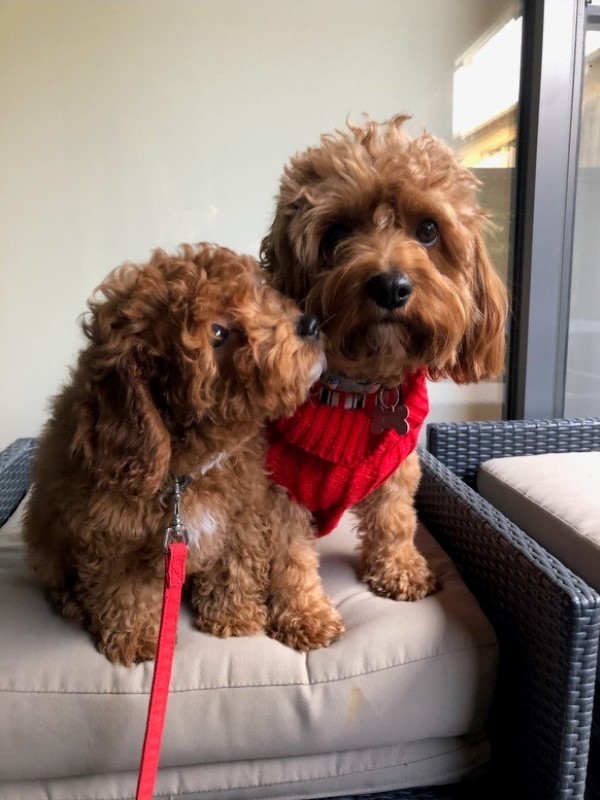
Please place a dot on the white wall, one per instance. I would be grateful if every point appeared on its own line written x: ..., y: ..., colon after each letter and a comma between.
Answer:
x: 131, y: 124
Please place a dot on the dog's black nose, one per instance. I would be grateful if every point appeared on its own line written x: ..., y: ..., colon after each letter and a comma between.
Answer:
x: 389, y: 289
x: 308, y: 327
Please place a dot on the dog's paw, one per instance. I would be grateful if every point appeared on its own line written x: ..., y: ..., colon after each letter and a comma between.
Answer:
x: 402, y: 581
x: 127, y: 649
x: 68, y: 605
x: 310, y: 630
x: 223, y: 626
x: 226, y: 628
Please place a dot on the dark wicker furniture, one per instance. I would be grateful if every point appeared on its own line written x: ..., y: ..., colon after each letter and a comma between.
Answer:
x: 570, y: 647
x: 546, y: 619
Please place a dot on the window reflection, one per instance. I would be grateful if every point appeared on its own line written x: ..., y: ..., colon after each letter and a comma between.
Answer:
x: 486, y: 92
x: 582, y: 396
x: 486, y: 87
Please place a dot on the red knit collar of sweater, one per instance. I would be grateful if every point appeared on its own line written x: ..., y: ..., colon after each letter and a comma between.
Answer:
x: 339, y: 426
x: 331, y: 457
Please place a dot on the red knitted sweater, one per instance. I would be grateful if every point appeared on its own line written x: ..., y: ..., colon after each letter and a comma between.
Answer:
x: 329, y: 459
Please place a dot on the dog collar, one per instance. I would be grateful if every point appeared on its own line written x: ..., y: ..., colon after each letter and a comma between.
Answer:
x: 341, y: 383
x: 185, y: 480
x: 176, y: 486
x: 385, y: 406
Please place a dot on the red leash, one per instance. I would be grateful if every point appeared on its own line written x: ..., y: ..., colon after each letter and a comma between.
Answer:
x: 175, y: 558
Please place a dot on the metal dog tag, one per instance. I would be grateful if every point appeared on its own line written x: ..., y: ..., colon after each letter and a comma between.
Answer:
x: 386, y: 416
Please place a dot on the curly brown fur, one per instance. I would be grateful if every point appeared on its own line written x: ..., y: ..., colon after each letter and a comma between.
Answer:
x: 359, y: 206
x: 187, y: 356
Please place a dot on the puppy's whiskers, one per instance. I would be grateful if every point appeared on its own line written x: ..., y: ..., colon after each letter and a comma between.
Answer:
x: 329, y: 318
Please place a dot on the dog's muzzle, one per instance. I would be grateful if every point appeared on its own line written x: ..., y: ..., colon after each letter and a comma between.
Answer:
x: 389, y: 289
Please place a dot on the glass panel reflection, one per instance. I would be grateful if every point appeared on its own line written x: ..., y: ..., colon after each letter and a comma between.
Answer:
x: 486, y: 89
x: 582, y: 397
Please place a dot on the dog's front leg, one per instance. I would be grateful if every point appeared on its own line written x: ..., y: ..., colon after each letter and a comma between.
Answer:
x: 229, y: 588
x: 121, y: 609
x: 391, y: 564
x: 301, y: 614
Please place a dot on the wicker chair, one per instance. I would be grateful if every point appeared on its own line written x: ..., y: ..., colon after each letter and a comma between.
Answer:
x: 462, y: 447
x: 546, y: 619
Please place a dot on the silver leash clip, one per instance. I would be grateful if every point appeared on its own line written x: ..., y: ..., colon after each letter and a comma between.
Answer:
x: 176, y: 530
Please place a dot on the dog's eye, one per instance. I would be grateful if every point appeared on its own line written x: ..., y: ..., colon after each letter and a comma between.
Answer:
x: 427, y: 232
x: 220, y: 334
x: 334, y: 234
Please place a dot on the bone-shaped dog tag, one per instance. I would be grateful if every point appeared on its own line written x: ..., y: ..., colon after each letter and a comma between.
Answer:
x: 383, y: 418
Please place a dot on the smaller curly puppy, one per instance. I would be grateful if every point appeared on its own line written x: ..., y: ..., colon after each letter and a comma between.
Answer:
x: 187, y: 357
x: 381, y: 237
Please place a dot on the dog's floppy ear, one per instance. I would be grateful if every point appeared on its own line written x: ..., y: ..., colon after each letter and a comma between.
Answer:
x: 278, y: 259
x: 288, y: 266
x: 481, y: 351
x: 119, y: 433
x: 274, y: 256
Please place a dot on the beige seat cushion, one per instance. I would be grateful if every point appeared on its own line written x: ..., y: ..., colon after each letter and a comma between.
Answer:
x: 400, y: 700
x: 555, y: 498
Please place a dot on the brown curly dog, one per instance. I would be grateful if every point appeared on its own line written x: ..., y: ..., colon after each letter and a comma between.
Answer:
x: 187, y: 357
x: 380, y: 236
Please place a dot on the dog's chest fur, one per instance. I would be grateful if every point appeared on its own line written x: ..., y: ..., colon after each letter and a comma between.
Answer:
x: 202, y: 517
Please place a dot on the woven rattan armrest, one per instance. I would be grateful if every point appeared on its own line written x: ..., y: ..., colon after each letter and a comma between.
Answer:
x: 15, y: 468
x: 463, y: 446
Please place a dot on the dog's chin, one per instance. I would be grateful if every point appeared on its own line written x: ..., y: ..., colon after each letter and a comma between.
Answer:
x: 372, y: 351
x: 317, y: 370
x: 384, y: 335
x: 386, y: 324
